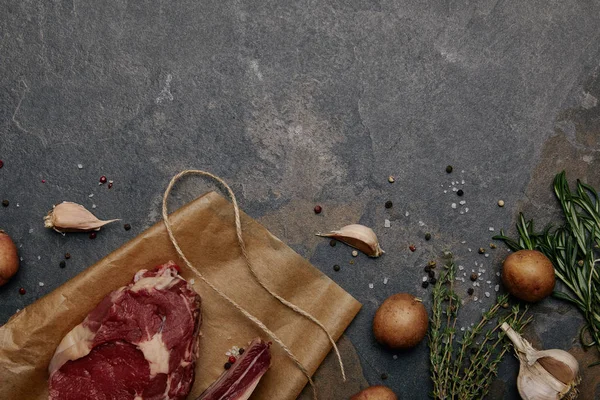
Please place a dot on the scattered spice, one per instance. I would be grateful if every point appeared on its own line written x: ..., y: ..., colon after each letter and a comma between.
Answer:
x: 470, y: 291
x: 67, y: 255
x: 388, y: 204
x: 43, y: 181
x: 62, y: 264
x: 432, y: 263
x: 5, y: 203
x: 110, y: 184
x: 431, y: 273
x: 492, y: 246
x: 449, y: 169
x: 428, y: 236
x: 103, y: 179
x: 427, y: 268
x: 22, y: 291
x: 93, y: 235
x: 336, y: 268
x: 481, y: 250
x: 241, y: 351
x: 425, y: 284
x: 227, y: 365
x: 500, y: 203
x: 384, y: 376
x: 318, y: 209
x: 474, y: 276
x: 391, y: 179
x: 460, y: 192
x: 127, y: 227
x: 433, y: 281
x: 412, y: 247
x: 232, y: 359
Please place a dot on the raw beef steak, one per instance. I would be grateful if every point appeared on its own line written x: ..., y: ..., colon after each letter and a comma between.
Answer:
x: 139, y: 343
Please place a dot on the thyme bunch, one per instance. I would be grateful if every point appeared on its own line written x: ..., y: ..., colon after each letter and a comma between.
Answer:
x: 464, y: 369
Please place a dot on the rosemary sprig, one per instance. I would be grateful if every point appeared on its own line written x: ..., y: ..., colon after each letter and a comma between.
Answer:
x: 466, y: 372
x: 573, y: 250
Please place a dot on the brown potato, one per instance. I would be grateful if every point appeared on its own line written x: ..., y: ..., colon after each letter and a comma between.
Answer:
x: 528, y: 275
x: 375, y: 393
x: 401, y: 321
x: 9, y: 261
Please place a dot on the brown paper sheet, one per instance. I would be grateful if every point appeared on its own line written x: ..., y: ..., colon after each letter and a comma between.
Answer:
x: 206, y: 233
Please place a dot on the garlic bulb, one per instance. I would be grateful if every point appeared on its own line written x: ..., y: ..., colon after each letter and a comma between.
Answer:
x: 358, y: 236
x: 548, y: 374
x: 73, y: 217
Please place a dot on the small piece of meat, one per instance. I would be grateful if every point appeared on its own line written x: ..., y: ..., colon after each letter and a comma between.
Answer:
x: 238, y: 382
x: 139, y: 343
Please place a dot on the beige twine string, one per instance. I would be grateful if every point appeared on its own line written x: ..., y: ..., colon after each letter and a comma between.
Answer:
x: 238, y: 227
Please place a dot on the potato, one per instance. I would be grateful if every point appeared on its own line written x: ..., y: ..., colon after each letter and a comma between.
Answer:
x: 375, y: 393
x: 528, y: 275
x: 9, y: 260
x: 401, y: 321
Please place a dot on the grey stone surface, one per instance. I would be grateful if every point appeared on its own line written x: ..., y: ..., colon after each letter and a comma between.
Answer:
x: 299, y: 103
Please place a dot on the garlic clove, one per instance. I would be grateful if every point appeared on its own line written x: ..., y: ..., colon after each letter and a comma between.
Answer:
x: 548, y: 374
x: 73, y: 217
x: 358, y: 236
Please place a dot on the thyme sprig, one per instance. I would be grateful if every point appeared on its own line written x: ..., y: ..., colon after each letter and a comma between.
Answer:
x: 573, y: 250
x: 466, y: 371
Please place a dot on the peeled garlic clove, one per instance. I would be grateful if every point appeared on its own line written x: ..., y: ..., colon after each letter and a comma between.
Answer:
x: 358, y: 236
x: 548, y: 374
x: 73, y: 217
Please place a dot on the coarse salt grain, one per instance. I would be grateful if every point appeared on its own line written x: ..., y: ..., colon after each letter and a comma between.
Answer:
x: 487, y: 294
x: 30, y: 230
x: 386, y: 223
x: 491, y: 229
x: 463, y: 181
x: 192, y: 281
x: 462, y: 202
x: 469, y: 249
x: 395, y: 357
x: 486, y: 255
x: 91, y: 195
x: 425, y: 278
x: 445, y: 191
x: 464, y: 241
x: 488, y: 282
x: 453, y: 205
x: 39, y: 257
x: 80, y: 166
x: 21, y: 258
x: 370, y: 286
x: 421, y: 223
x: 41, y: 283
x: 475, y: 298
x: 385, y: 281
x: 467, y: 209
x: 406, y: 214
x: 93, y: 206
x: 496, y: 288
x: 460, y: 267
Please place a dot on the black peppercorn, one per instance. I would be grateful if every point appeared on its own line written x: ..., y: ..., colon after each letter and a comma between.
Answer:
x: 431, y: 273
x: 241, y: 351
x: 127, y: 227
x: 336, y: 267
x: 318, y: 209
x: 460, y: 192
x: 67, y: 255
x: 93, y: 235
x: 428, y: 236
x: 5, y: 203
x: 433, y: 280
x: 62, y: 264
x: 427, y: 268
x: 227, y: 365
x: 332, y: 242
x: 474, y: 276
x: 384, y: 376
x: 449, y: 168
x: 425, y: 284
x: 470, y: 291
x: 388, y: 204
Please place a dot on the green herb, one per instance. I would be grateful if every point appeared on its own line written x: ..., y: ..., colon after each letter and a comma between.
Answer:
x: 466, y: 371
x: 573, y: 249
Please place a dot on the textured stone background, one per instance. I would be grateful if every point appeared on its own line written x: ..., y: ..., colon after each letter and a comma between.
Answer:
x: 299, y: 103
